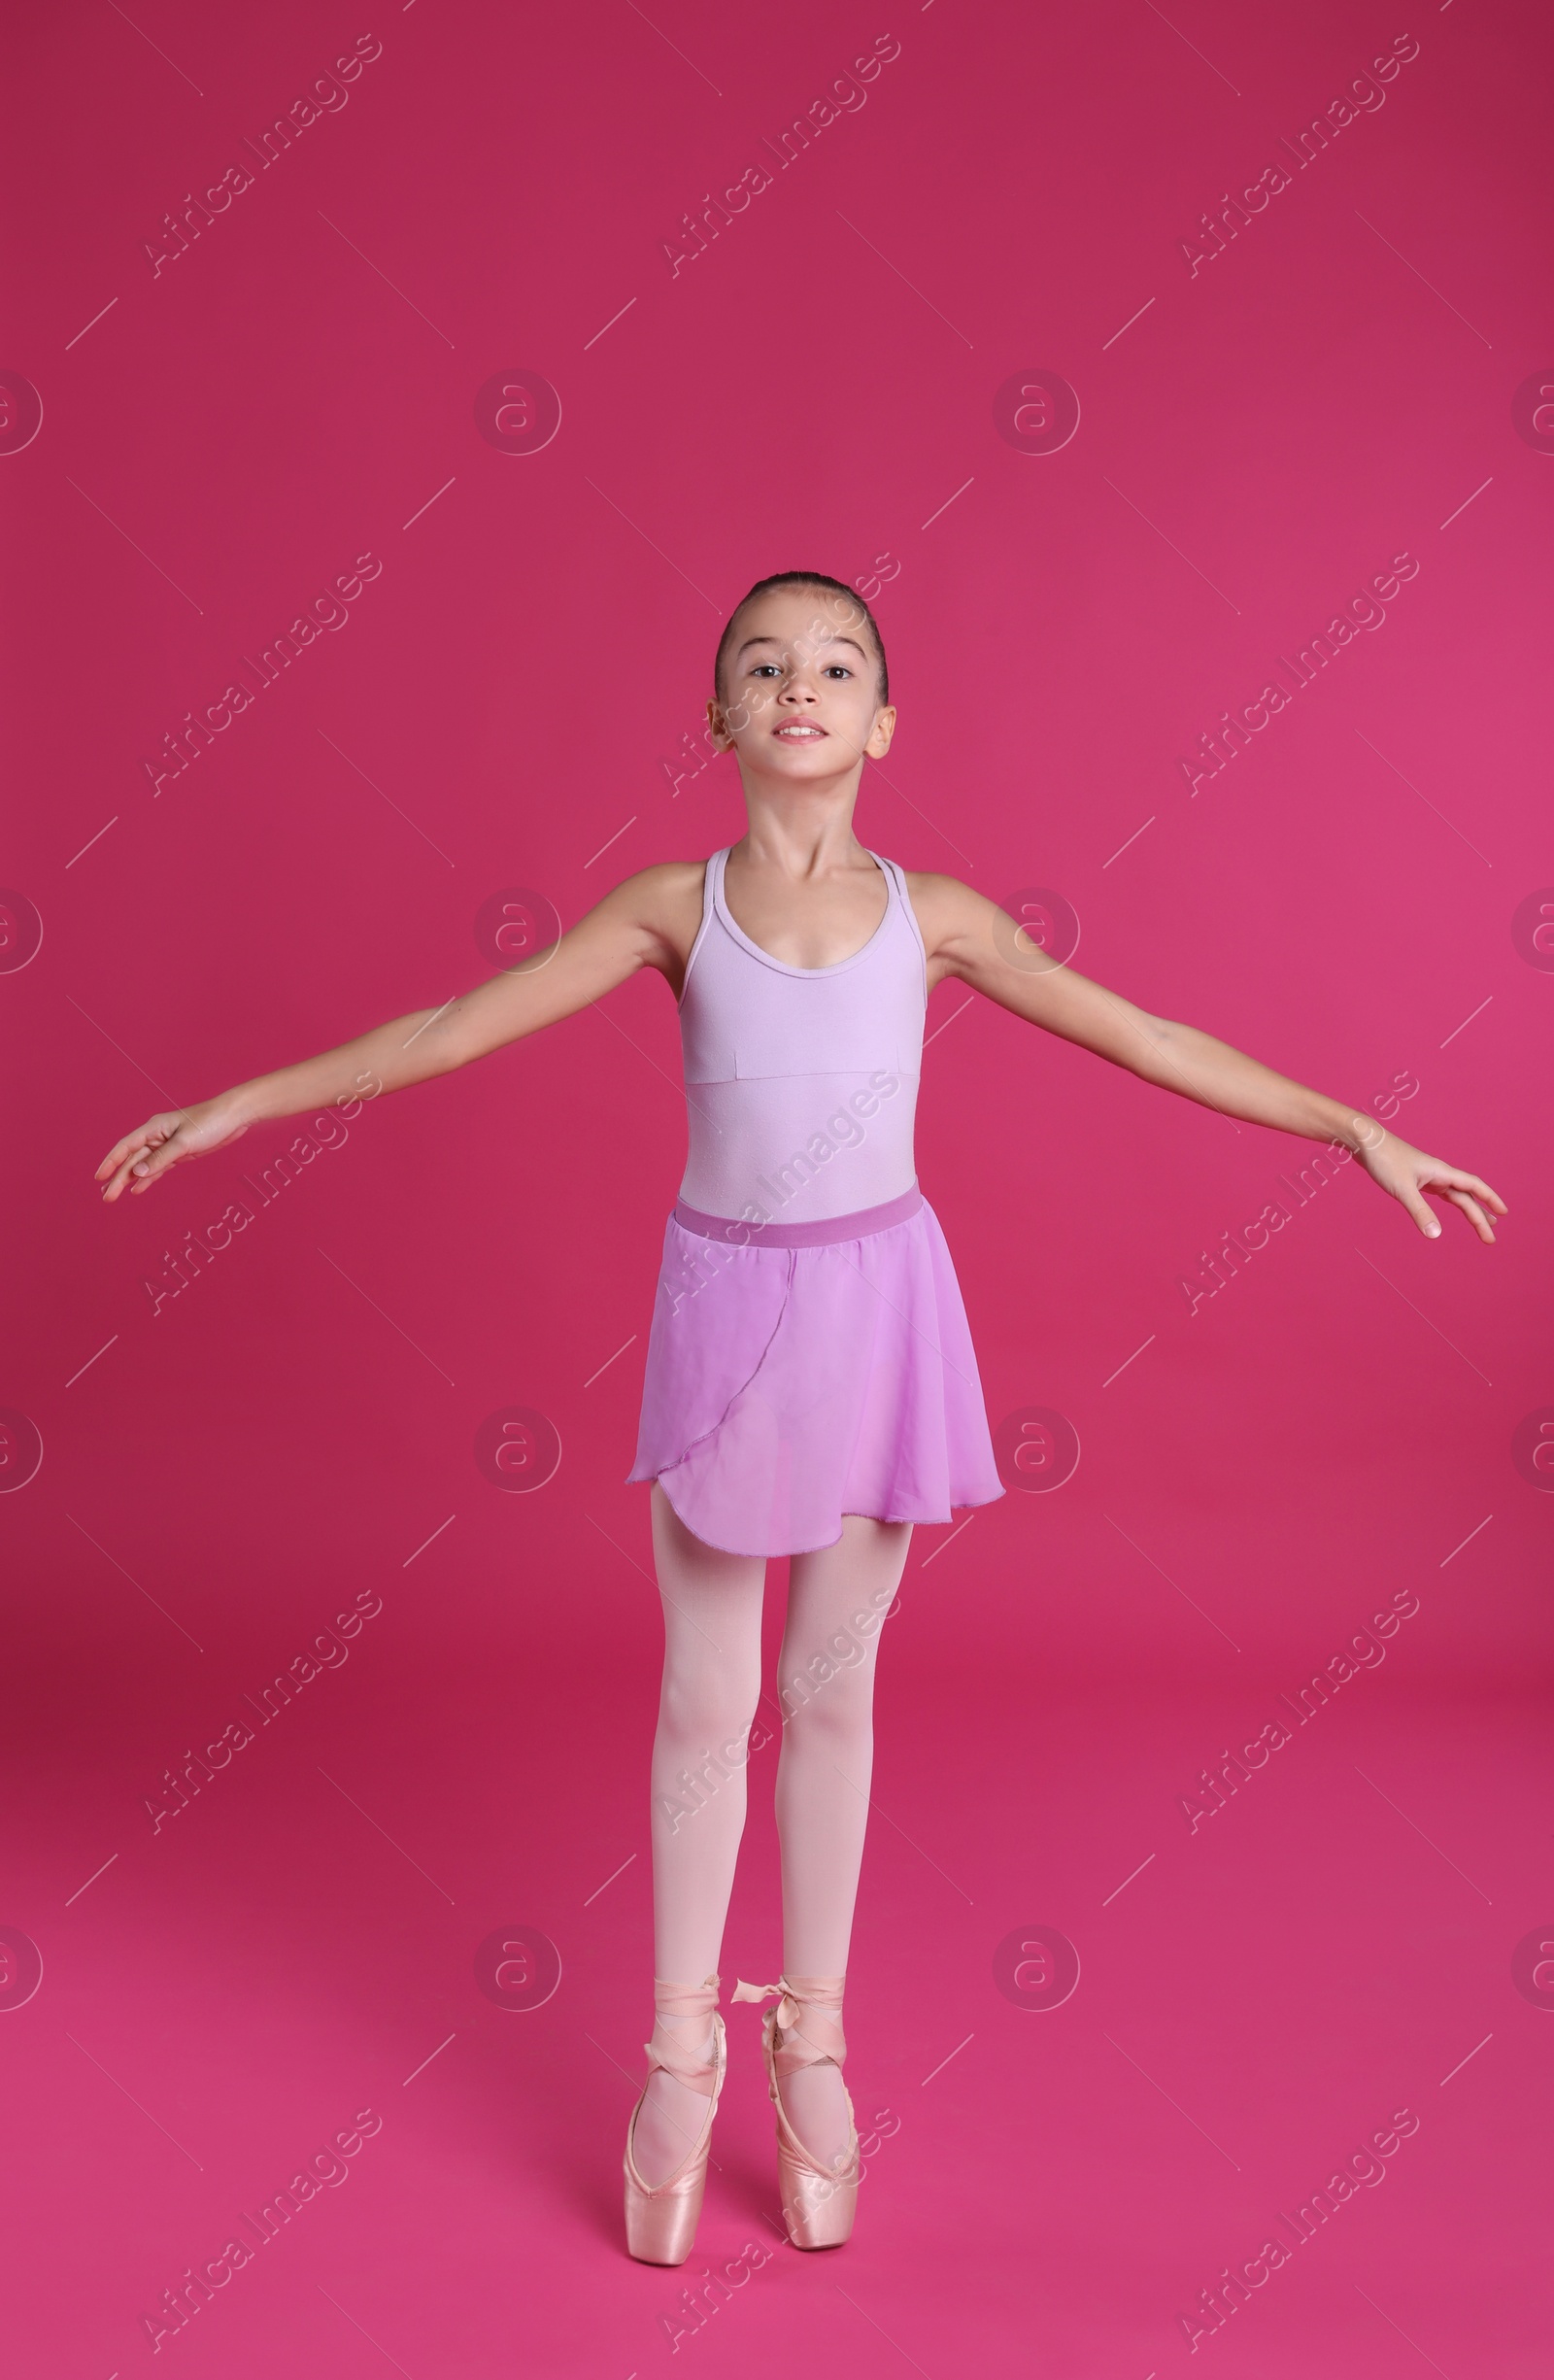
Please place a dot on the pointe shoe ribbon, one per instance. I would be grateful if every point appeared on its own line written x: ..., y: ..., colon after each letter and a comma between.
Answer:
x: 661, y: 2217
x: 818, y: 2205
x: 807, y: 2032
x: 668, y: 2048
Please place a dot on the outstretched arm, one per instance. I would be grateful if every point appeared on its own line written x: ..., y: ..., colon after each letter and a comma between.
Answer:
x: 969, y: 936
x: 647, y: 921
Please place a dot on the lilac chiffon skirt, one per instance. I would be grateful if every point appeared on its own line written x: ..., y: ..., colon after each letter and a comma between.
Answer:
x: 799, y: 1372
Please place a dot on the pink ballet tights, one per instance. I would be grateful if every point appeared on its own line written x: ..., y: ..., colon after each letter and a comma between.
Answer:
x: 712, y: 1604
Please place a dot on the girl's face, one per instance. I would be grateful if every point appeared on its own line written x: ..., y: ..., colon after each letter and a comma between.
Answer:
x: 801, y: 689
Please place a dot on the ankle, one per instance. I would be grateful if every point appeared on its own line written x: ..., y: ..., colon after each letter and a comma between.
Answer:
x: 693, y: 2037
x: 810, y: 2022
x: 686, y: 2031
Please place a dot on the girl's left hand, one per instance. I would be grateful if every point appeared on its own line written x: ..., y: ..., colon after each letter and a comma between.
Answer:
x: 1406, y: 1172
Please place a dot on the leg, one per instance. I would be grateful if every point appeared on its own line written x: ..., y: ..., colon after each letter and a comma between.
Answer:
x: 711, y: 1685
x: 837, y: 1605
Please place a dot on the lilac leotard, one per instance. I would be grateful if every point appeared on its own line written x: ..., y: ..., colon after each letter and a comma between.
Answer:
x: 802, y: 1081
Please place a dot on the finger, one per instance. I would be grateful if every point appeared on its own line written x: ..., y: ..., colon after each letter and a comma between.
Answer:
x: 1420, y: 1211
x: 124, y: 1179
x: 149, y: 1135
x: 130, y: 1146
x: 151, y: 1163
x: 1473, y: 1211
x: 1480, y: 1189
x: 1448, y: 1177
x: 121, y: 1180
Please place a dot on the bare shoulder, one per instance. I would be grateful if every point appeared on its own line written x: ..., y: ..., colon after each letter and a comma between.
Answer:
x: 662, y: 907
x: 947, y: 911
x: 660, y: 890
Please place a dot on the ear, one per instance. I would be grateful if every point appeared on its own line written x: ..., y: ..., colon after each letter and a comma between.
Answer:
x: 718, y: 720
x: 881, y: 733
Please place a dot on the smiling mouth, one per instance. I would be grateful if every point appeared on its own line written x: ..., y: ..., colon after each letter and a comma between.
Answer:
x: 794, y: 731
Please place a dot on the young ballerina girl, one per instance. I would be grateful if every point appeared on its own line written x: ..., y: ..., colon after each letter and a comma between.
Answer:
x: 811, y: 1388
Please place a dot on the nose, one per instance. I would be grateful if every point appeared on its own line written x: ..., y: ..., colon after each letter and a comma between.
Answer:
x: 798, y: 690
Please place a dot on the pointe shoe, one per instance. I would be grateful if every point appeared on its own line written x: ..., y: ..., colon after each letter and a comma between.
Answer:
x: 818, y: 2201
x: 660, y: 2221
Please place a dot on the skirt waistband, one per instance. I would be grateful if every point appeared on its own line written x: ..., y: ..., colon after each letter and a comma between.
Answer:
x: 824, y: 1234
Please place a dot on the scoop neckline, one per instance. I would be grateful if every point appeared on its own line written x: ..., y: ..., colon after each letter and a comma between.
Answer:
x: 784, y: 967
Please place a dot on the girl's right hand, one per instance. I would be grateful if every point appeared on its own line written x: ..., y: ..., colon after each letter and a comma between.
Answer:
x: 142, y: 1156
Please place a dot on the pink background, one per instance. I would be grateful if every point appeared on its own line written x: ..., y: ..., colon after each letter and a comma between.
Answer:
x: 224, y: 436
